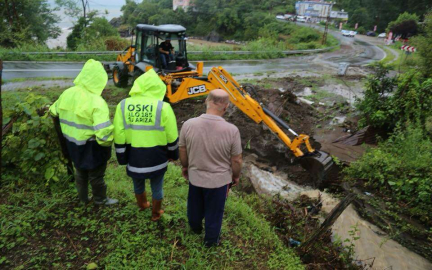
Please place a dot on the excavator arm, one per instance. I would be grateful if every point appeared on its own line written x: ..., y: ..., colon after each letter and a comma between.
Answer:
x: 316, y: 162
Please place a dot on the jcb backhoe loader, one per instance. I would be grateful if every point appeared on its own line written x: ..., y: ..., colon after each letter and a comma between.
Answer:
x: 185, y: 81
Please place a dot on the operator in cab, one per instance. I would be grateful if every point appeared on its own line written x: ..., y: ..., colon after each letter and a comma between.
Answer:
x: 166, y: 52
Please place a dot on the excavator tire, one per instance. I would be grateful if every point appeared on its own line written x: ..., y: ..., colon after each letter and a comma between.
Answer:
x: 120, y: 77
x: 136, y: 74
x: 318, y: 164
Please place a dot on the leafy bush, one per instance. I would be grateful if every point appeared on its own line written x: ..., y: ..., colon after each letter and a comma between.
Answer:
x: 374, y: 108
x: 405, y: 24
x: 116, y: 43
x: 31, y: 152
x: 304, y: 34
x: 401, y: 168
x: 390, y: 102
x: 361, y: 30
x: 90, y: 33
x: 422, y: 43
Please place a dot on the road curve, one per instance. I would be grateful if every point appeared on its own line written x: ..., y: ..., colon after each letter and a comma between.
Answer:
x: 355, y: 51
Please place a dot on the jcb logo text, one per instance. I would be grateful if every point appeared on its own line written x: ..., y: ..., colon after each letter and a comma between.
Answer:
x: 197, y: 89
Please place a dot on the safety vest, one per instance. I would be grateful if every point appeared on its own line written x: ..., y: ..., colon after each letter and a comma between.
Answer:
x: 145, y: 129
x: 84, y: 118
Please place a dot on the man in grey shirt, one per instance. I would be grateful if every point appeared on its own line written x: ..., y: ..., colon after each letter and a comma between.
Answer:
x: 210, y: 153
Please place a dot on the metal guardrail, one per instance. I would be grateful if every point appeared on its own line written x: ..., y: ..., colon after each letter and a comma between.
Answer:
x: 189, y: 52
x: 67, y: 53
x: 262, y: 52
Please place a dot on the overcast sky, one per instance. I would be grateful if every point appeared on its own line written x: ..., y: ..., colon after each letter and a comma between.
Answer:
x: 113, y: 7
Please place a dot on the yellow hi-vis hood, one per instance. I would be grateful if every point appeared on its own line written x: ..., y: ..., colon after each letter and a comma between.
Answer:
x: 149, y: 85
x: 92, y: 77
x: 89, y: 85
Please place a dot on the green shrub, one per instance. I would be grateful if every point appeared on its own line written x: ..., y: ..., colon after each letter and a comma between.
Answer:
x: 361, y: 30
x: 401, y: 168
x: 30, y: 151
x: 304, y: 34
x: 422, y: 43
x: 390, y: 101
x: 116, y: 43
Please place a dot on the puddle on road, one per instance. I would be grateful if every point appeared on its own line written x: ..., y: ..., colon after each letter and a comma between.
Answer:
x: 388, y: 253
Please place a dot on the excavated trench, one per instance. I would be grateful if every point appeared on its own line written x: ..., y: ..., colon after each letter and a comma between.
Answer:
x: 272, y: 170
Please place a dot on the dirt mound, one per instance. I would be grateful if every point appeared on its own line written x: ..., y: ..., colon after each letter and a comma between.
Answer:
x: 257, y: 138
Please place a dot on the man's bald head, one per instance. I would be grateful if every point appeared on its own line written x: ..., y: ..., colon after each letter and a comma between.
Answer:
x: 217, y: 100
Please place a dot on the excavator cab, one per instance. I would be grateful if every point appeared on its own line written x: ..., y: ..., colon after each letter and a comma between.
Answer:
x: 144, y: 53
x: 148, y: 42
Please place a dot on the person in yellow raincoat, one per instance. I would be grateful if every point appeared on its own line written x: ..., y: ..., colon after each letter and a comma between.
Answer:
x: 84, y: 120
x: 146, y: 138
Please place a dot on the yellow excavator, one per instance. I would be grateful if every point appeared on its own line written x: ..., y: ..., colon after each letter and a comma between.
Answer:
x: 186, y: 81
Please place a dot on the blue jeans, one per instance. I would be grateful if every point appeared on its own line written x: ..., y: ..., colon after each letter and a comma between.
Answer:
x: 164, y: 58
x: 208, y: 204
x: 156, y: 184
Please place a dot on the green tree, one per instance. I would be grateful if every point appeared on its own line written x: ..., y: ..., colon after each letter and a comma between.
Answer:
x: 390, y: 102
x: 405, y: 25
x: 26, y: 21
x: 361, y: 17
x: 382, y: 12
x: 90, y: 31
x: 374, y: 108
x: 423, y: 45
x: 241, y: 19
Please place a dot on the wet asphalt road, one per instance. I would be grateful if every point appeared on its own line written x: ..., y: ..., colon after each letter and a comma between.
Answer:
x: 355, y: 51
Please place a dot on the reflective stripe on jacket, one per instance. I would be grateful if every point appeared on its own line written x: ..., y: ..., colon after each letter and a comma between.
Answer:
x: 84, y: 118
x: 145, y: 129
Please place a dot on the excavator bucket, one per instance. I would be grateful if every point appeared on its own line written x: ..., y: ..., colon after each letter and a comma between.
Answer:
x: 318, y: 164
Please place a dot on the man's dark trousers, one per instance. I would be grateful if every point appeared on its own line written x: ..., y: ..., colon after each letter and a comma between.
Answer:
x: 208, y: 204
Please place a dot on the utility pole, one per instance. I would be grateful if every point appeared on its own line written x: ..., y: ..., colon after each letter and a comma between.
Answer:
x: 324, y: 38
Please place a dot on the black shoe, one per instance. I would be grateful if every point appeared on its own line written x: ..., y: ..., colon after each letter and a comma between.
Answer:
x: 210, y: 244
x: 196, y: 231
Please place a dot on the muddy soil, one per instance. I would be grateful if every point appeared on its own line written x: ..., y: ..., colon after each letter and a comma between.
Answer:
x: 273, y: 155
x: 371, y: 247
x: 258, y: 139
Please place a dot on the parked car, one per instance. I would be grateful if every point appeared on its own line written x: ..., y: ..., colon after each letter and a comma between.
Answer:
x: 280, y: 17
x: 371, y: 34
x: 382, y: 35
x: 348, y: 33
x: 345, y: 33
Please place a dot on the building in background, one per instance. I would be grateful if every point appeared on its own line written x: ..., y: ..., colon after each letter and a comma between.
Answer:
x: 342, y: 15
x: 318, y: 10
x: 185, y: 4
